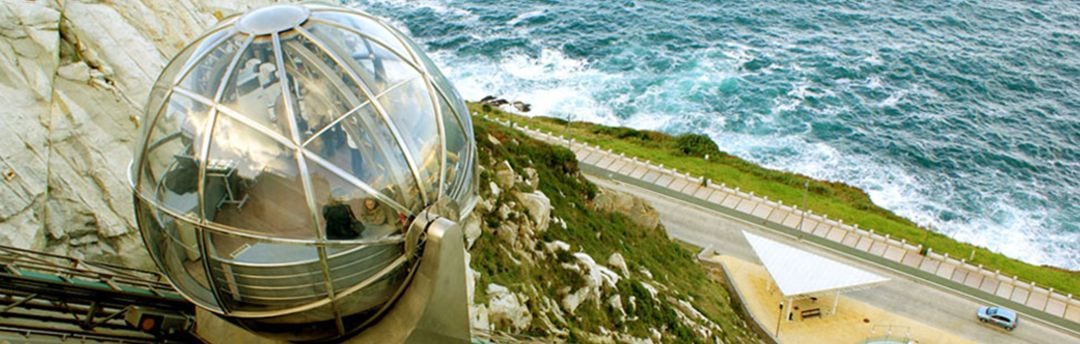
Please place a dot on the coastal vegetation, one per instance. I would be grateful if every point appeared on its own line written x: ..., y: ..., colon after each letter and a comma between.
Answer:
x: 697, y: 155
x: 657, y: 296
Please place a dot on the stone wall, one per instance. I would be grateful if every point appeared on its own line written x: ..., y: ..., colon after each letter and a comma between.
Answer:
x: 73, y: 79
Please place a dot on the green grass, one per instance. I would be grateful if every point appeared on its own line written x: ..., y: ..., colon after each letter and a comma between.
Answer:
x: 598, y: 234
x: 833, y: 199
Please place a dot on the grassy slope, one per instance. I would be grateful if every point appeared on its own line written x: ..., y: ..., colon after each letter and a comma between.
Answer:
x: 836, y: 200
x: 599, y: 234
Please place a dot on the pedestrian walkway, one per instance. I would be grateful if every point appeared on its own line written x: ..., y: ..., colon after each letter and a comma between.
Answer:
x: 757, y: 208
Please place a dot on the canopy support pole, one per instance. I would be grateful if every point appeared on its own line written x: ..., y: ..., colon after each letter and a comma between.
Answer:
x: 836, y: 299
x: 780, y: 314
x: 789, y: 303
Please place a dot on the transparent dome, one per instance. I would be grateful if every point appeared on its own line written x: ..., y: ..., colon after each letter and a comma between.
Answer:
x: 283, y: 156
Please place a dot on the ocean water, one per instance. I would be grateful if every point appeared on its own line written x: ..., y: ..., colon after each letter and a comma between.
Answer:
x: 961, y: 115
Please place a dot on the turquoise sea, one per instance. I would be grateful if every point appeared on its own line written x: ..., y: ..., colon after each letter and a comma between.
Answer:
x: 961, y: 115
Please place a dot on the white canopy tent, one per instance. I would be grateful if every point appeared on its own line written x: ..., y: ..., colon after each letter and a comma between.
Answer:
x: 801, y: 274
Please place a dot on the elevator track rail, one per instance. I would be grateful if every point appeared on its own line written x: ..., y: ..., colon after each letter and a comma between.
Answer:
x: 47, y: 298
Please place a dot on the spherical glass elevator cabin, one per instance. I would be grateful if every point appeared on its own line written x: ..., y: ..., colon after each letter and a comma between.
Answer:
x: 284, y: 155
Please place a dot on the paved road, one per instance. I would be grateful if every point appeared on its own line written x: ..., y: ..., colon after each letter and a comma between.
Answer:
x: 903, y: 295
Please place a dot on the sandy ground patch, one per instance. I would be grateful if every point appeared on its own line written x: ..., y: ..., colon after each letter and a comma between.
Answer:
x: 853, y: 322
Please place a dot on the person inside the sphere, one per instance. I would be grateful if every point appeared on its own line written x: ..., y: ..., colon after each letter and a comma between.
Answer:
x: 341, y: 223
x: 374, y: 213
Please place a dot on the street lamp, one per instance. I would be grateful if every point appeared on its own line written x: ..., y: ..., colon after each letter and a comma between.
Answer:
x: 806, y: 190
x: 569, y: 139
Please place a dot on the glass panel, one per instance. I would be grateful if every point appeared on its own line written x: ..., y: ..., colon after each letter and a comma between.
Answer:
x: 160, y: 91
x: 164, y: 83
x: 362, y: 24
x: 157, y: 99
x: 205, y: 77
x: 174, y: 244
x: 409, y: 106
x: 353, y: 270
x: 457, y: 153
x: 158, y: 96
x: 322, y: 96
x: 196, y: 51
x: 468, y: 182
x: 379, y: 68
x: 255, y: 275
x: 255, y: 91
x: 170, y: 170
x: 448, y: 90
x: 349, y: 212
x: 461, y: 110
x: 253, y: 183
x: 361, y: 145
x: 384, y: 144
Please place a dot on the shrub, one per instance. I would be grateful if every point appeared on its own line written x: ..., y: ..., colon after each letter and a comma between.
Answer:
x: 696, y: 145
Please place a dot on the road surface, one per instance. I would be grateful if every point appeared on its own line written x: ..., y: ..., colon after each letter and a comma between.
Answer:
x: 905, y: 295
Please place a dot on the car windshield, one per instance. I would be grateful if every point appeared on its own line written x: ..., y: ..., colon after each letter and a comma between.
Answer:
x: 991, y: 311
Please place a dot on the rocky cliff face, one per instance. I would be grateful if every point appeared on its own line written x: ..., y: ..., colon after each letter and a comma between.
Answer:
x: 553, y: 258
x: 73, y: 79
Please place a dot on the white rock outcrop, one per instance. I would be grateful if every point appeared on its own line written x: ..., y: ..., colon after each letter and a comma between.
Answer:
x: 471, y: 227
x: 507, y: 310
x: 73, y: 79
x: 538, y: 207
x: 637, y: 209
x: 505, y: 176
x: 615, y: 302
x: 556, y: 246
x: 616, y: 261
x: 598, y: 278
x: 532, y: 178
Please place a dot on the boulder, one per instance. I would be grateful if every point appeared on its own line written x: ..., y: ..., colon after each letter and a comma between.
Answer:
x: 493, y: 101
x: 597, y: 279
x: 526, y: 237
x: 628, y: 339
x: 522, y: 106
x: 493, y: 140
x: 507, y: 310
x: 471, y: 277
x: 642, y: 270
x: 638, y: 210
x: 651, y: 289
x: 532, y: 179
x: 504, y: 212
x: 485, y: 205
x: 615, y: 302
x: 538, y: 206
x: 571, y: 301
x: 656, y: 335
x: 507, y: 232
x: 471, y: 226
x: 598, y: 275
x: 556, y: 246
x: 504, y: 175
x: 616, y: 261
x: 479, y: 318
x: 688, y: 309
